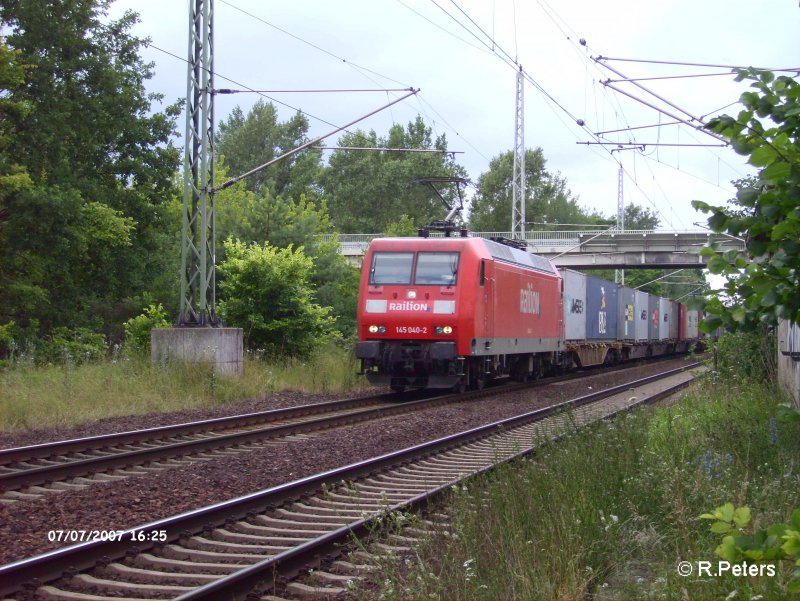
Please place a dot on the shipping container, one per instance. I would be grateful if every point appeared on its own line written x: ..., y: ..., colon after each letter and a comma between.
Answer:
x: 653, y: 315
x: 601, y: 309
x: 682, y: 321
x: 690, y: 319
x: 626, y: 313
x: 674, y: 323
x: 664, y: 317
x: 641, y: 312
x: 694, y: 330
x: 574, y: 304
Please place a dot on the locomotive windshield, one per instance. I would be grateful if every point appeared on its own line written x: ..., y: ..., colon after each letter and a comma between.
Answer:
x: 436, y: 269
x: 433, y: 268
x: 391, y: 268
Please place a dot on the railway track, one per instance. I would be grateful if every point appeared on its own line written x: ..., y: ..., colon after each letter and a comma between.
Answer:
x: 256, y: 542
x: 31, y: 472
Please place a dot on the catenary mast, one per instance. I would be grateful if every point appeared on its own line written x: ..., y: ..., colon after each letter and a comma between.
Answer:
x: 198, y: 270
x: 518, y: 177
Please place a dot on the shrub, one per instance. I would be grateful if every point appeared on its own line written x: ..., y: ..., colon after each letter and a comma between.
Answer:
x: 7, y: 339
x: 748, y: 355
x: 268, y: 293
x: 137, y: 329
x: 65, y: 345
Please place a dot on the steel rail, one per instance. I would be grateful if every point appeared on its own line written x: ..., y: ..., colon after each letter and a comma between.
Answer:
x: 289, y: 562
x: 60, y: 471
x: 83, y: 556
x: 126, y: 459
x: 102, y: 441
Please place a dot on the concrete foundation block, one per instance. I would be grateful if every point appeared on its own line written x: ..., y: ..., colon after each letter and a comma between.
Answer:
x: 221, y: 347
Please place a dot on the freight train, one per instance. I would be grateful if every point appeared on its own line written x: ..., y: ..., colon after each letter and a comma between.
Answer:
x: 459, y: 312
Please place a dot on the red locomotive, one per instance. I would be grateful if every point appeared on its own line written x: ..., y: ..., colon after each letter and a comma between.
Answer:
x: 456, y: 312
x: 452, y: 312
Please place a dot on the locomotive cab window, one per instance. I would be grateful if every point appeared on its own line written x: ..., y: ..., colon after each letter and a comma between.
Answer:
x: 436, y: 269
x: 391, y: 268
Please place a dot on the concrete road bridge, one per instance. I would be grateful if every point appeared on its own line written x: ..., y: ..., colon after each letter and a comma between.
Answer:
x: 627, y: 249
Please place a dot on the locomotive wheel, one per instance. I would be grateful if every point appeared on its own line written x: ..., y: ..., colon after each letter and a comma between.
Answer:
x: 473, y: 375
x: 460, y: 386
x: 398, y: 388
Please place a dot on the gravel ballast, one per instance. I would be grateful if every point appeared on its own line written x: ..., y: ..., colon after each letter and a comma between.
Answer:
x: 135, y: 501
x: 111, y: 425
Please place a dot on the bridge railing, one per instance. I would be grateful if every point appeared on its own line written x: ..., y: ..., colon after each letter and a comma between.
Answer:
x: 541, y: 241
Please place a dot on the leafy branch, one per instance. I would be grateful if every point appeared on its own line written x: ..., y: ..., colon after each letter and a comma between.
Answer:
x: 776, y: 542
x: 762, y: 287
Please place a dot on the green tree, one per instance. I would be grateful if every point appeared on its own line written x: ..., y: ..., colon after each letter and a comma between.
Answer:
x: 263, y: 217
x: 368, y: 190
x: 258, y: 218
x: 404, y: 226
x: 91, y: 122
x: 548, y: 200
x: 87, y: 231
x: 335, y: 283
x: 137, y: 329
x: 13, y: 177
x: 267, y: 292
x: 764, y: 287
x: 637, y: 217
x: 246, y: 142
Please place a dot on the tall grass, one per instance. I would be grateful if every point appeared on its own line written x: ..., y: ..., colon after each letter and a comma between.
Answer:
x: 34, y: 396
x: 610, y: 511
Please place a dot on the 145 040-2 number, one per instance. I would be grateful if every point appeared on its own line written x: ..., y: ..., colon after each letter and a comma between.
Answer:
x: 411, y: 330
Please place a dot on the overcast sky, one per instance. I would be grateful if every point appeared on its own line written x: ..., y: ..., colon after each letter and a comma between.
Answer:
x: 468, y: 91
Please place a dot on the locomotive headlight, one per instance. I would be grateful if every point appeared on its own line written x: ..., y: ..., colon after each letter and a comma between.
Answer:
x: 411, y: 294
x: 447, y: 330
x: 377, y: 329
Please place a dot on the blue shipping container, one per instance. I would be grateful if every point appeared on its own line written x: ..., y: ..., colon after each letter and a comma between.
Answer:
x: 601, y: 309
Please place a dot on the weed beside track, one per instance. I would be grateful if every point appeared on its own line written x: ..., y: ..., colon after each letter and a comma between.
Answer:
x: 610, y: 511
x: 33, y: 396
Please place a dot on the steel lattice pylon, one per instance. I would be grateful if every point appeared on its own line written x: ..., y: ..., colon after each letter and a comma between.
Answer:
x: 518, y: 177
x: 620, y: 200
x: 619, y: 274
x: 198, y: 274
